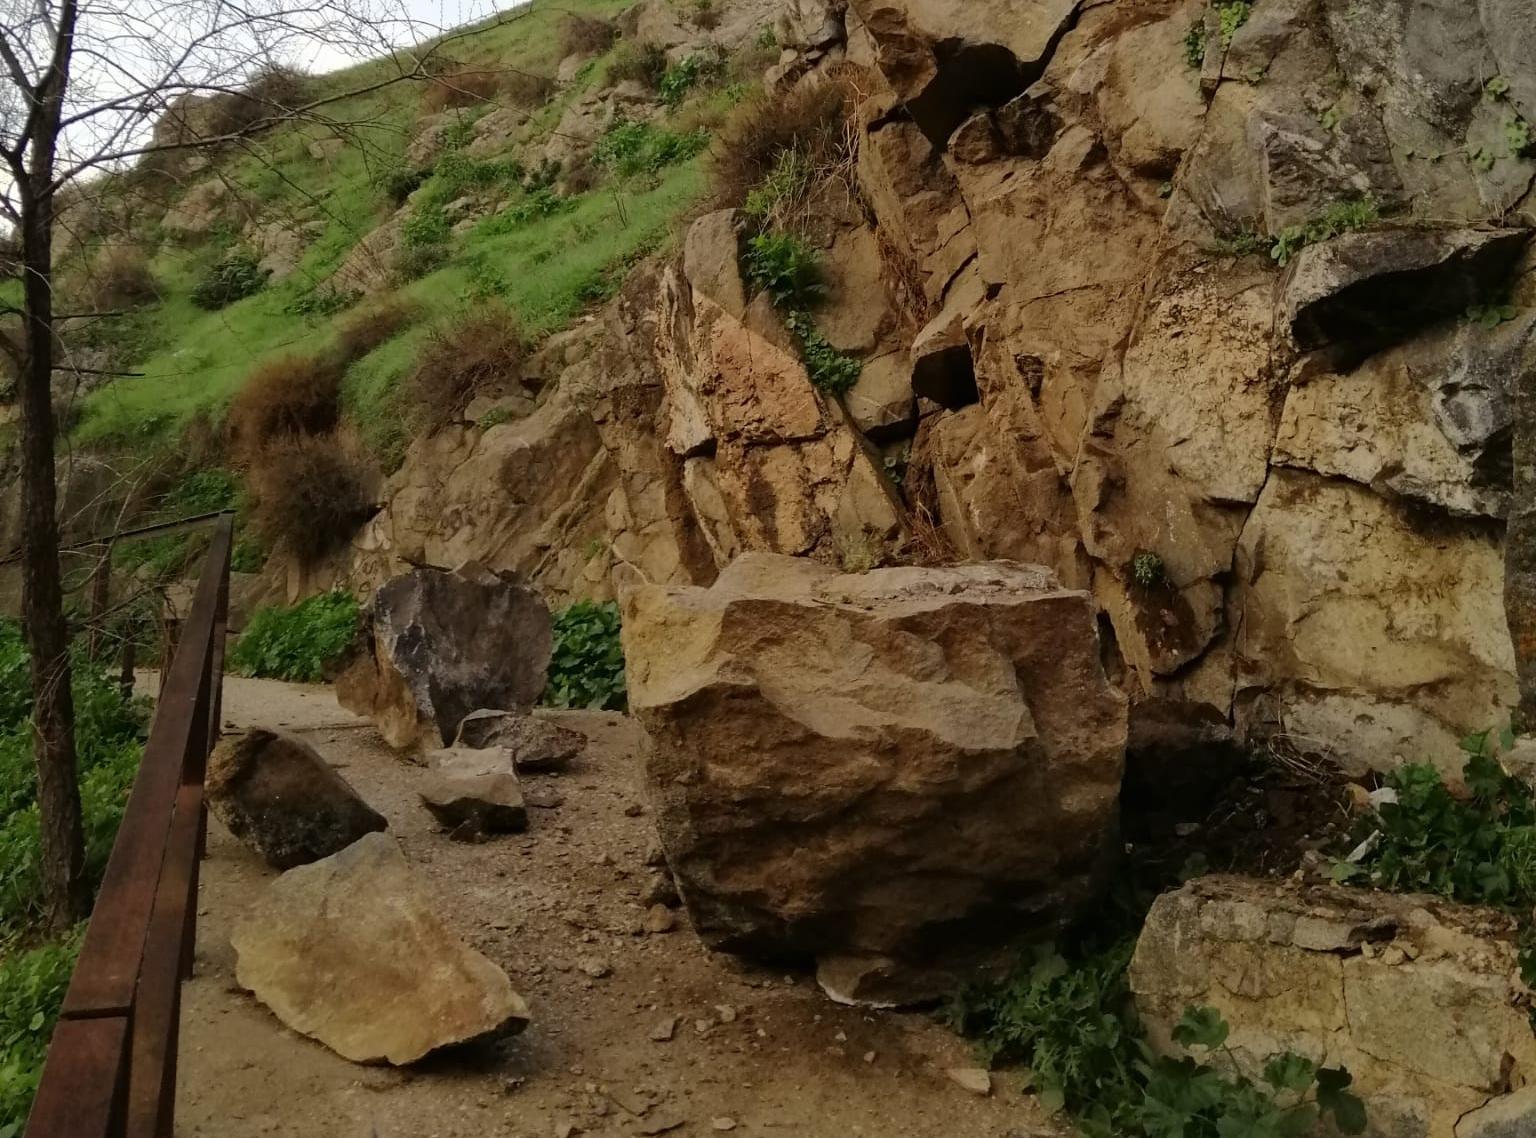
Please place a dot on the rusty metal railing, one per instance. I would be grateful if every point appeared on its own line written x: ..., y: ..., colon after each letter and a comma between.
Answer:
x: 111, y: 1069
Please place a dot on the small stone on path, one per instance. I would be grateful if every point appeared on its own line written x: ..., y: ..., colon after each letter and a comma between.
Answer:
x: 660, y: 919
x: 594, y: 967
x: 665, y: 1030
x: 723, y: 1123
x: 974, y: 1079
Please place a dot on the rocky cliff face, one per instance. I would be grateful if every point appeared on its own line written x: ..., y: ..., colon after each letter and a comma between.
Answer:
x: 1215, y: 311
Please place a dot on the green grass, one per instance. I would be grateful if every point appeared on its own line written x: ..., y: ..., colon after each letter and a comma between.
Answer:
x: 297, y: 643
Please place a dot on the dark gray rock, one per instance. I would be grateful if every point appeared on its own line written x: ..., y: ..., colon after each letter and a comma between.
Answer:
x: 278, y: 796
x: 536, y: 746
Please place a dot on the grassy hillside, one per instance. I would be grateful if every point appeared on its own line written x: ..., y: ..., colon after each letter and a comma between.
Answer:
x: 547, y: 252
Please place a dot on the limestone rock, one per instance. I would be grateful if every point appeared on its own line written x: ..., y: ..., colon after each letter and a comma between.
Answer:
x: 912, y: 764
x: 532, y: 745
x: 198, y: 210
x: 444, y: 644
x: 348, y: 951
x: 1378, y: 285
x: 276, y: 794
x: 474, y: 789
x: 1429, y: 1031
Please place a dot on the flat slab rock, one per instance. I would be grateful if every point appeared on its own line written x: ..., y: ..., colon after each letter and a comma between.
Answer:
x: 535, y: 746
x: 1420, y: 999
x: 895, y: 772
x: 475, y: 789
x: 348, y: 952
x: 280, y: 797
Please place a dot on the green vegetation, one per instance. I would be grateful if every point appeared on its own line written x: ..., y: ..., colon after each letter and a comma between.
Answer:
x: 682, y: 77
x: 236, y: 277
x: 587, y: 668
x: 1232, y: 15
x: 161, y: 558
x: 1072, y: 1023
x: 1341, y: 217
x: 787, y: 183
x: 789, y: 270
x: 297, y: 643
x: 1148, y: 570
x: 32, y: 987
x: 633, y: 148
x: 1194, y: 45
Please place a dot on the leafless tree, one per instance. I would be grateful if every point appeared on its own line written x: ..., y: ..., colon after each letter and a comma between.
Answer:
x: 82, y: 82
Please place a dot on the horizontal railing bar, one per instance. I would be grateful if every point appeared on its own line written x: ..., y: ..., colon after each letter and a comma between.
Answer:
x: 107, y: 971
x: 158, y: 529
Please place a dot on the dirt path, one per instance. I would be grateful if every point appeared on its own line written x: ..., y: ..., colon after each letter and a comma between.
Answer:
x: 754, y: 1052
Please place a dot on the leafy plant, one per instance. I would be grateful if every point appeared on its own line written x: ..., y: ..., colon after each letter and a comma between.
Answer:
x: 236, y: 277
x: 787, y: 184
x: 1491, y: 315
x: 426, y: 225
x: 587, y: 668
x: 1073, y: 1024
x: 683, y: 76
x: 1148, y: 570
x: 1341, y: 217
x: 631, y: 148
x: 831, y: 371
x: 788, y: 268
x: 32, y: 988
x: 297, y: 643
x: 1232, y: 15
x: 1194, y: 45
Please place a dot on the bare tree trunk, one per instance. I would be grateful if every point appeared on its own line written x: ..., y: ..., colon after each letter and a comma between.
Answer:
x: 53, y: 716
x: 65, y: 896
x: 1520, y: 551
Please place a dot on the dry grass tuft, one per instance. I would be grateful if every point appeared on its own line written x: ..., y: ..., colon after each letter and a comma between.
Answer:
x: 460, y: 87
x: 311, y: 493
x: 480, y: 354
x: 373, y: 325
x: 645, y: 63
x: 119, y: 278
x: 813, y: 121
x: 283, y: 398
x: 585, y: 35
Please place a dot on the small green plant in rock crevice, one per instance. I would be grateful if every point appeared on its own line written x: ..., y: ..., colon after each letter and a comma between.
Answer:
x: 1073, y: 1024
x: 1338, y: 218
x: 789, y: 270
x: 1148, y: 570
x: 1230, y: 16
x: 298, y: 643
x: 587, y: 667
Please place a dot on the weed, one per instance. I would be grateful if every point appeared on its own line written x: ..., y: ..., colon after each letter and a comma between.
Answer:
x: 291, y: 395
x: 311, y: 492
x: 767, y: 38
x: 1072, y: 1023
x: 417, y: 261
x: 586, y: 35
x: 830, y: 370
x: 706, y: 15
x: 32, y: 988
x: 785, y: 188
x: 367, y: 329
x: 235, y: 277
x: 321, y: 302
x: 587, y: 668
x: 1232, y: 16
x: 482, y: 352
x: 1148, y: 570
x: 1194, y: 45
x: 457, y: 173
x: 461, y: 87
x: 426, y: 225
x: 400, y: 182
x: 643, y: 63
x: 812, y: 119
x: 788, y: 268
x: 495, y: 417
x: 299, y: 643
x: 1491, y: 315
x: 1341, y: 217
x: 682, y: 77
x: 633, y: 148
x: 119, y: 278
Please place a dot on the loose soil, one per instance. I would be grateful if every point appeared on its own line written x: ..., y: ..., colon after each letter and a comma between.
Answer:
x: 754, y: 1052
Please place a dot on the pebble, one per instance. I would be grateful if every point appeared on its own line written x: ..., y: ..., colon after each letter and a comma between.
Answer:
x: 727, y: 1013
x: 564, y: 1129
x: 665, y: 1030
x: 594, y: 966
x: 660, y: 919
x: 723, y: 1123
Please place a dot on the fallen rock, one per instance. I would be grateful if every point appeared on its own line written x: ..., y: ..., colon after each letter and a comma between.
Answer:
x: 660, y: 919
x: 665, y: 1030
x: 278, y: 796
x: 348, y: 952
x: 977, y: 1080
x: 1375, y: 286
x: 444, y: 644
x: 476, y: 790
x: 912, y: 764
x: 1420, y: 999
x: 535, y: 745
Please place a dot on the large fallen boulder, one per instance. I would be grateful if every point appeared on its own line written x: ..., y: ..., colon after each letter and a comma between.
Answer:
x: 1420, y: 999
x: 275, y: 793
x: 473, y: 792
x: 536, y: 746
x: 444, y: 644
x: 893, y: 772
x: 348, y: 952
